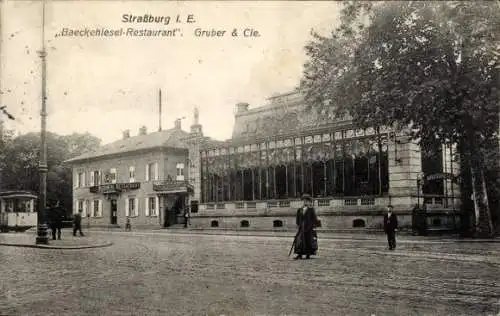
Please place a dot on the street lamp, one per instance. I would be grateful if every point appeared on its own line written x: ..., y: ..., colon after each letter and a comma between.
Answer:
x: 42, y: 234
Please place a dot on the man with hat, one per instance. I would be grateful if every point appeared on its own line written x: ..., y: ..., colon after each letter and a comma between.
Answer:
x: 390, y: 227
x: 305, y: 241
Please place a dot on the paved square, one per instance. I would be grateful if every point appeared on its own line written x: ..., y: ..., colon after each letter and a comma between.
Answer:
x: 159, y: 273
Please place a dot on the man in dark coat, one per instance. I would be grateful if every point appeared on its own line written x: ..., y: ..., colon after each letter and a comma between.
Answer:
x: 78, y: 223
x: 186, y: 218
x: 390, y: 227
x: 55, y: 217
x: 305, y: 241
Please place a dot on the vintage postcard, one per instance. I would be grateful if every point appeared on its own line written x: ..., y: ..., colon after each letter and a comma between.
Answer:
x: 249, y: 157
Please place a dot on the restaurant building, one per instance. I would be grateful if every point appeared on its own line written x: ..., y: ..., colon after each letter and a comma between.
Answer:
x: 143, y: 177
x: 282, y: 150
x: 277, y: 152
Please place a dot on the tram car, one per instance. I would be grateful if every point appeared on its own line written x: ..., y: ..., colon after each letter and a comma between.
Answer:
x: 17, y: 210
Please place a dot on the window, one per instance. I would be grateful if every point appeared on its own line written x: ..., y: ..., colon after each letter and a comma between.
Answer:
x: 81, y: 180
x: 80, y: 206
x: 112, y: 173
x: 87, y: 208
x: 277, y: 223
x: 131, y: 207
x: 245, y: 223
x: 151, y: 171
x: 180, y: 172
x: 131, y: 173
x: 214, y: 224
x: 436, y: 222
x: 194, y: 207
x: 358, y: 223
x: 432, y: 163
x: 10, y: 206
x: 95, y: 178
x: 152, y: 206
x: 97, y: 208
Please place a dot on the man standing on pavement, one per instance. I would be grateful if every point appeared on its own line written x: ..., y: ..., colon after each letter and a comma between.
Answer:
x: 78, y: 223
x: 55, y: 220
x: 186, y: 218
x: 390, y: 227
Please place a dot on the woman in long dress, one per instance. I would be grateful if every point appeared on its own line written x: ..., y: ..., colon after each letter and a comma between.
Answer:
x: 306, y: 243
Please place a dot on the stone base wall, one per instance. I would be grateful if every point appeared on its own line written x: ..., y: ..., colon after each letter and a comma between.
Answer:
x: 288, y: 222
x: 331, y: 218
x: 265, y: 219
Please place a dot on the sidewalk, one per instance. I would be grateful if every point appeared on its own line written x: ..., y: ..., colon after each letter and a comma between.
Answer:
x: 68, y: 241
x: 324, y: 234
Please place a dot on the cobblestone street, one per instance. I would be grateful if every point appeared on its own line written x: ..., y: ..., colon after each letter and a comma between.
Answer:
x: 160, y: 273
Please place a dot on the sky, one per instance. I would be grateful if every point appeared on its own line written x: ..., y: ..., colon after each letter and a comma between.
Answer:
x: 106, y: 85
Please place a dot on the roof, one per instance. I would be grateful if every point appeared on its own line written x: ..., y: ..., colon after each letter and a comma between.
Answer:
x: 17, y: 194
x: 171, y: 138
x: 211, y: 143
x: 283, y: 114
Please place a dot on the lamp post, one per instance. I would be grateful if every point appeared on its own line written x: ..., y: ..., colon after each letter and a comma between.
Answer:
x: 42, y: 234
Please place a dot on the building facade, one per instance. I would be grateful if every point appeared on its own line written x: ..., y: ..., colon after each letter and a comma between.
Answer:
x: 282, y: 150
x: 277, y: 152
x: 142, y: 178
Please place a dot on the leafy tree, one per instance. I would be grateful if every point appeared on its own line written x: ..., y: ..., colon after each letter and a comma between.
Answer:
x: 430, y: 67
x: 21, y: 159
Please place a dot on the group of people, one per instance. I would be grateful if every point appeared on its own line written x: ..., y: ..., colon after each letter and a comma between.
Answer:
x: 55, y: 218
x: 306, y: 239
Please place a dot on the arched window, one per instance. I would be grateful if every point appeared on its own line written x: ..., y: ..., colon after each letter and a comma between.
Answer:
x: 277, y: 223
x: 244, y: 223
x: 214, y: 224
x: 358, y: 223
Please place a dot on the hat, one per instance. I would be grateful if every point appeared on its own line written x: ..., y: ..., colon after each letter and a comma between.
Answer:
x: 306, y: 197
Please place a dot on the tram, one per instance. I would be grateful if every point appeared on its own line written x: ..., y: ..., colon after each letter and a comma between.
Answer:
x: 17, y: 210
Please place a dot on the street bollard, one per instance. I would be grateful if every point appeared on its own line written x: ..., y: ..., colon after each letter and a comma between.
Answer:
x: 42, y: 234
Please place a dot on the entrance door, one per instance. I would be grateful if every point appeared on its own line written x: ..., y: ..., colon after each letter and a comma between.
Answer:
x: 180, y: 207
x: 114, y: 212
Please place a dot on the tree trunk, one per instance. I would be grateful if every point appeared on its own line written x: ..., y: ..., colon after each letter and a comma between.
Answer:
x: 483, y: 226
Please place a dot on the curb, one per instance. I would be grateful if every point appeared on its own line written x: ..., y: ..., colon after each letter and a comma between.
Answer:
x: 56, y: 247
x: 481, y: 241
x: 324, y: 236
x: 236, y: 234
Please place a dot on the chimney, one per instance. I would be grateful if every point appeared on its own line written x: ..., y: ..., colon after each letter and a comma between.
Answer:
x: 177, y: 124
x: 241, y: 107
x: 143, y: 130
x: 126, y: 134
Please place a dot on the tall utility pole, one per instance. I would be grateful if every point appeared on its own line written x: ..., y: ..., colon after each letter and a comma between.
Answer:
x: 159, y: 114
x: 42, y: 237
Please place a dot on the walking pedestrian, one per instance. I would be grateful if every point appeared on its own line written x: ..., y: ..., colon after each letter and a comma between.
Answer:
x: 128, y: 226
x: 390, y: 227
x: 306, y: 238
x: 78, y: 224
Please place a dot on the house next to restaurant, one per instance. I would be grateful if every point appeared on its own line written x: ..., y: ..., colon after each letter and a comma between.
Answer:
x: 143, y: 177
x: 277, y: 152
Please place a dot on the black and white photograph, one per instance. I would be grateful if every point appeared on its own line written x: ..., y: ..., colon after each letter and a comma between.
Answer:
x: 220, y: 158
